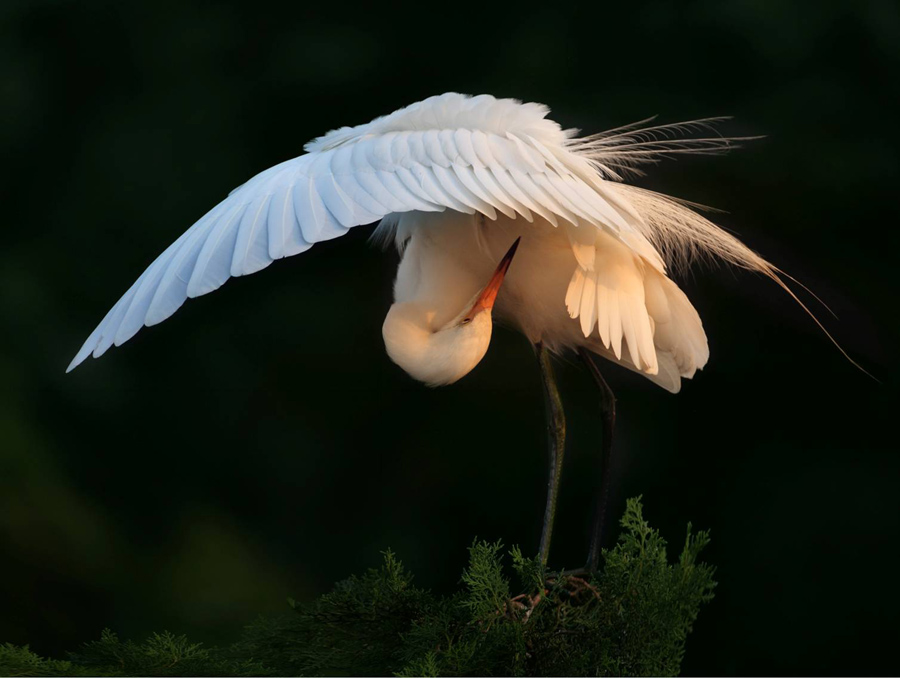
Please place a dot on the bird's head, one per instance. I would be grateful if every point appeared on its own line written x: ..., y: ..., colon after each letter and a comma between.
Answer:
x: 441, y: 355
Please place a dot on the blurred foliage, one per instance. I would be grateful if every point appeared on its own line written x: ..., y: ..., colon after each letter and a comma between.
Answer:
x: 630, y: 619
x: 162, y: 654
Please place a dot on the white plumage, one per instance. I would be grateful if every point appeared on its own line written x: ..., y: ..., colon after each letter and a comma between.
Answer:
x: 455, y: 180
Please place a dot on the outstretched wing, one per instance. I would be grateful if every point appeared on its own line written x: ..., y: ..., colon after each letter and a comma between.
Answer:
x: 469, y: 154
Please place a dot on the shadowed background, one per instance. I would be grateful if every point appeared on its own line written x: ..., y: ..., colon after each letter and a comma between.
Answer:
x: 260, y: 445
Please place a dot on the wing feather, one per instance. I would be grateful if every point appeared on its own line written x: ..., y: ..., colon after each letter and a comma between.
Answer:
x: 251, y: 247
x: 602, y: 315
x: 396, y: 188
x: 370, y: 197
x: 532, y: 158
x: 107, y: 335
x: 463, y: 139
x: 412, y: 184
x: 431, y: 141
x: 549, y: 207
x: 588, y: 304
x: 482, y: 148
x: 211, y: 270
x: 279, y: 221
x: 506, y: 154
x: 469, y: 180
x: 172, y: 290
x: 559, y: 201
x: 573, y: 294
x: 615, y: 324
x: 486, y: 179
x: 451, y: 183
x: 448, y: 145
x: 136, y: 310
x: 391, y: 149
x: 505, y: 180
x: 471, y: 155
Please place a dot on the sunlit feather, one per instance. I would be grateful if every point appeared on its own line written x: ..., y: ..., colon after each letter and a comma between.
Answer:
x: 449, y: 178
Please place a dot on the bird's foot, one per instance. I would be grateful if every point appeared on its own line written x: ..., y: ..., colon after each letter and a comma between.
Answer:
x: 521, y: 606
x: 574, y: 586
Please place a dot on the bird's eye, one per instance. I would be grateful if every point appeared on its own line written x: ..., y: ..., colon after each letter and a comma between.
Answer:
x: 465, y: 321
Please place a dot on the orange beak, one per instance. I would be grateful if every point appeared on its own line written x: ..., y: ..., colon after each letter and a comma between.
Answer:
x: 488, y: 296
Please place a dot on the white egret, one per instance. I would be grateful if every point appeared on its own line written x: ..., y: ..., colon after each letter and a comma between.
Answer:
x: 458, y: 183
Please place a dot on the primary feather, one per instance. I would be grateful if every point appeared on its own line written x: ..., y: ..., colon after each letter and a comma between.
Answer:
x: 497, y: 158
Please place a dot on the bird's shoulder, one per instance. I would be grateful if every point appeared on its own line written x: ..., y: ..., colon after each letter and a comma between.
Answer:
x: 452, y: 111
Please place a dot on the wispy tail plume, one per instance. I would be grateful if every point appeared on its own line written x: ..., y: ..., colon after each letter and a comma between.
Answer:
x: 675, y: 228
x: 623, y: 149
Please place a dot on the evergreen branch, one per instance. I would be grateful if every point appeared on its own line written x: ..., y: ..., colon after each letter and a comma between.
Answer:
x: 632, y: 618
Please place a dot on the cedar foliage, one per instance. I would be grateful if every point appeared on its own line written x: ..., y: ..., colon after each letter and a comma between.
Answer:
x: 632, y: 618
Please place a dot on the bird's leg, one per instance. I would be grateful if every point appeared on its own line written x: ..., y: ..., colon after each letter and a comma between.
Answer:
x: 608, y: 410
x: 556, y: 444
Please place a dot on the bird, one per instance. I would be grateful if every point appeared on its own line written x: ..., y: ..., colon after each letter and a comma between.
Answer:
x: 499, y: 215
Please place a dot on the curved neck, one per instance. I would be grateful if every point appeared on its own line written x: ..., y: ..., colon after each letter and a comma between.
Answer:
x: 434, y: 355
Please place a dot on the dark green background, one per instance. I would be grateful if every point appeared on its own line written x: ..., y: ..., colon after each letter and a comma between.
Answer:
x: 260, y: 444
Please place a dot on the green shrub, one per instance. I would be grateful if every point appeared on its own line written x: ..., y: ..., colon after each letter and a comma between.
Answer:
x: 631, y: 618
